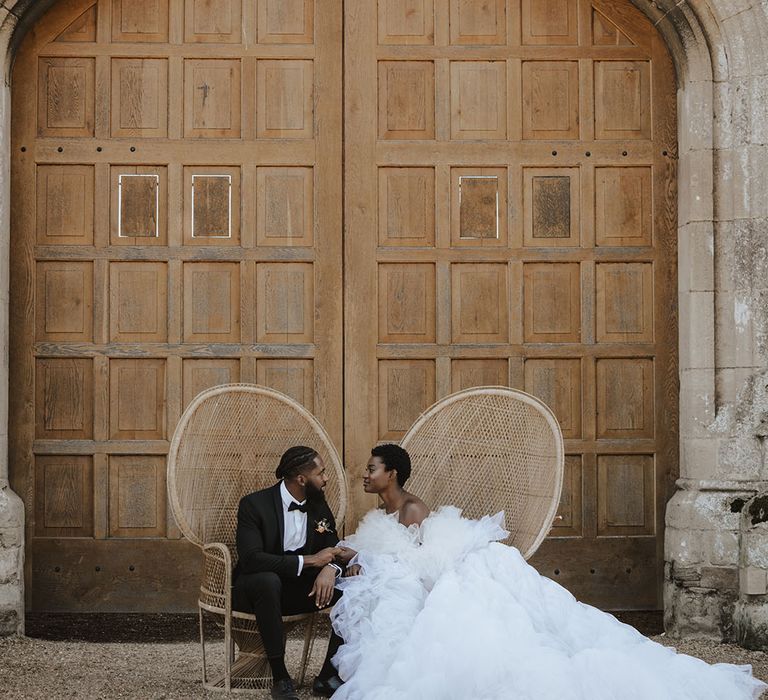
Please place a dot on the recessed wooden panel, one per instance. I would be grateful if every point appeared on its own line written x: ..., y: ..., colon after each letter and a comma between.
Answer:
x: 558, y: 384
x: 286, y: 21
x: 552, y: 303
x: 625, y: 398
x: 406, y: 206
x: 551, y: 207
x: 212, y: 302
x: 550, y: 100
x: 406, y: 100
x: 550, y: 22
x: 65, y: 204
x: 64, y: 301
x: 569, y: 523
x: 479, y: 207
x: 622, y: 100
x: 140, y: 20
x: 139, y: 205
x: 606, y: 33
x: 64, y: 398
x: 138, y: 302
x: 284, y: 95
x: 83, y: 29
x: 406, y: 22
x: 624, y: 299
x: 406, y: 388
x: 66, y: 97
x: 407, y: 303
x: 199, y: 375
x: 285, y: 206
x: 211, y: 205
x: 212, y: 98
x: 207, y: 21
x: 625, y: 495
x: 137, y: 498
x: 139, y: 97
x: 478, y: 22
x: 466, y: 374
x: 478, y: 100
x: 137, y: 399
x: 63, y: 496
x: 295, y: 378
x: 623, y: 206
x: 479, y: 303
x: 285, y: 303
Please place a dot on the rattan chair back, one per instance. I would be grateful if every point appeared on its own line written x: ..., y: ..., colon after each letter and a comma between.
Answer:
x: 228, y: 444
x: 490, y: 449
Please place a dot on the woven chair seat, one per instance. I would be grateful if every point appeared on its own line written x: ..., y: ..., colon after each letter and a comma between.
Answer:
x: 489, y: 449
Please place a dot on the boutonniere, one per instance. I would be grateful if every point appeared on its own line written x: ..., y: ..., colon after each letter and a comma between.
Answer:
x: 323, y: 526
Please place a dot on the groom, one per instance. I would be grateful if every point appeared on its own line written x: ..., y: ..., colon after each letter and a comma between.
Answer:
x: 286, y: 543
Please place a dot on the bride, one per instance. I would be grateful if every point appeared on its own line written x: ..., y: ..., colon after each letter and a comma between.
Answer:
x: 436, y: 608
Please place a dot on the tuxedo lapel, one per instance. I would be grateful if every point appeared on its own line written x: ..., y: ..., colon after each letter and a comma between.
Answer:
x: 312, y: 518
x: 278, y: 504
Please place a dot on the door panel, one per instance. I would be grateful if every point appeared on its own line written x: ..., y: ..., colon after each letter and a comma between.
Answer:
x: 519, y: 156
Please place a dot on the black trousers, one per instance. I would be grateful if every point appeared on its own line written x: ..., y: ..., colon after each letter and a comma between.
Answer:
x: 269, y: 597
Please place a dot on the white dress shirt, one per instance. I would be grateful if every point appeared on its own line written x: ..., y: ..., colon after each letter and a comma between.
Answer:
x: 295, y: 522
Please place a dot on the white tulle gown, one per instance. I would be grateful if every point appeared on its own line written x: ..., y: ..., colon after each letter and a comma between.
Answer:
x: 446, y: 612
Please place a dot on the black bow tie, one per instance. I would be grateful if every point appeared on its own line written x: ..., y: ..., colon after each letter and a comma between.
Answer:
x: 298, y: 506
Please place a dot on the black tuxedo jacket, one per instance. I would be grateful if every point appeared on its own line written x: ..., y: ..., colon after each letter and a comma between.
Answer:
x: 260, y: 528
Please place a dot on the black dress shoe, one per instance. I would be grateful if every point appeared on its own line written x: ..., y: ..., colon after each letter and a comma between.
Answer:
x: 284, y: 690
x: 326, y: 686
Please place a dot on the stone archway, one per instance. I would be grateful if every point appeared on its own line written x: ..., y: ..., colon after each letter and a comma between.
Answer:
x: 718, y: 48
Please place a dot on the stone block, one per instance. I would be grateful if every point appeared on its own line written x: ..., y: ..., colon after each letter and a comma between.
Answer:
x: 753, y: 581
x: 9, y: 565
x: 697, y: 402
x: 734, y: 314
x: 702, y: 512
x: 696, y: 262
x: 723, y: 549
x: 697, y: 327
x: 683, y: 548
x: 698, y: 458
x: 740, y: 458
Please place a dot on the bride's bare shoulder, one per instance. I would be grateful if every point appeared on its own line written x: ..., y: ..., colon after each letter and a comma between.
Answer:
x: 413, y: 511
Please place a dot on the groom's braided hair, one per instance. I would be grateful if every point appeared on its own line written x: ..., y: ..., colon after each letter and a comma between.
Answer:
x: 394, y: 457
x: 294, y: 460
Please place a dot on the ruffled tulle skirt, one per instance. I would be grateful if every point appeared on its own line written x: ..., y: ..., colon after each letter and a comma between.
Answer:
x: 444, y: 612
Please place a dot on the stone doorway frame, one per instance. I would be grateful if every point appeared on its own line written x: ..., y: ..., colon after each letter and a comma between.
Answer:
x: 719, y: 49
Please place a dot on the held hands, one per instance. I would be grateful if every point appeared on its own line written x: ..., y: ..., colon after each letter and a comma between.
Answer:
x: 323, y: 587
x: 345, y: 556
x: 322, y: 558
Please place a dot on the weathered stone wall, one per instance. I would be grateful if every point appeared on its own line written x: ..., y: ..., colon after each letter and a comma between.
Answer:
x: 721, y: 52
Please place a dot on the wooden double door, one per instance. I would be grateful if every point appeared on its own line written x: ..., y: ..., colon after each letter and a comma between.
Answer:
x: 184, y: 215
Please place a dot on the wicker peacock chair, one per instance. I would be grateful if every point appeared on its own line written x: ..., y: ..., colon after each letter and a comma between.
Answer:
x: 490, y: 449
x: 227, y: 444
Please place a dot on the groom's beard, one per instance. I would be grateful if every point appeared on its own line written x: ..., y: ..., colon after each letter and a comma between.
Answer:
x: 314, y: 494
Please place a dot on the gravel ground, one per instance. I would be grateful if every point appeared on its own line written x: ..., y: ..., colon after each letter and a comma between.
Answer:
x: 157, y: 657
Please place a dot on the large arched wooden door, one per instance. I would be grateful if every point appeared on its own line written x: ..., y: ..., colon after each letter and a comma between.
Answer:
x: 511, y: 219
x: 176, y: 224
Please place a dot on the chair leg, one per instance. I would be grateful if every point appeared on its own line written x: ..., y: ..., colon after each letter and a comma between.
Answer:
x: 229, y: 654
x: 309, y: 640
x: 202, y: 646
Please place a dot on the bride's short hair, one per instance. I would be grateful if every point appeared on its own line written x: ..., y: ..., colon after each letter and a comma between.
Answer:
x: 294, y: 460
x: 394, y: 457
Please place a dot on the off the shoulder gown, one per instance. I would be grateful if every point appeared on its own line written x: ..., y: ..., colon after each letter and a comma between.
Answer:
x: 446, y: 612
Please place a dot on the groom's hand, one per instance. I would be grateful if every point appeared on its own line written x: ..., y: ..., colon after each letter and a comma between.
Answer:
x: 323, y: 588
x: 345, y: 556
x: 321, y: 558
